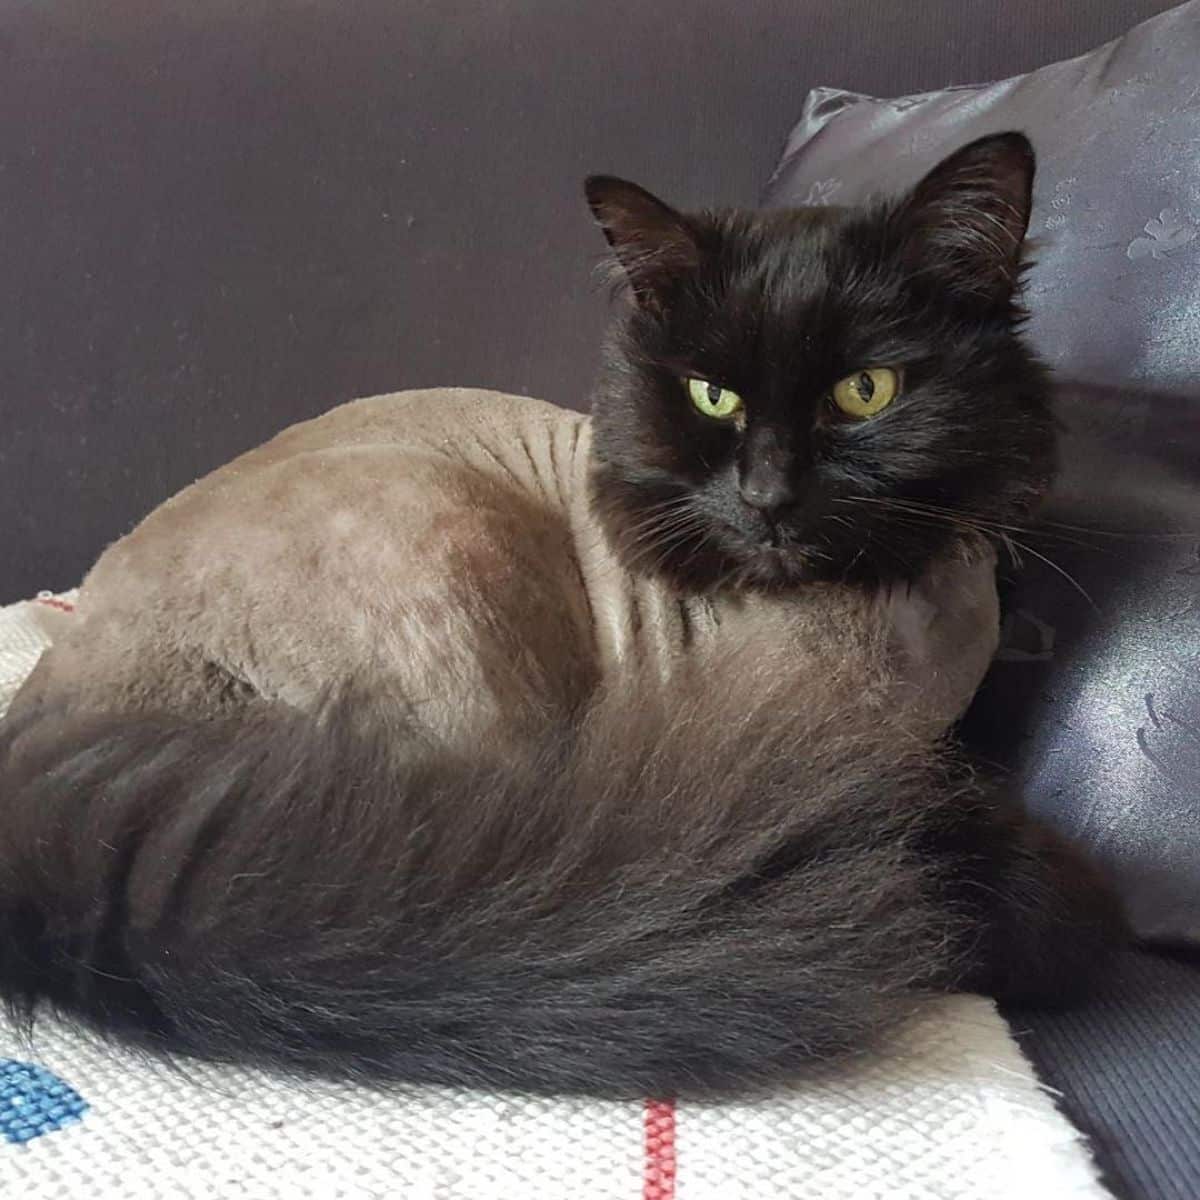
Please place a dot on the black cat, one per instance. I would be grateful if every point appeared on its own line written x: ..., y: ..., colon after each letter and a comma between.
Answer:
x: 453, y: 738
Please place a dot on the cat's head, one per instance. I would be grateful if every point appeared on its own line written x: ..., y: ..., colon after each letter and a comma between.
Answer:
x: 820, y: 393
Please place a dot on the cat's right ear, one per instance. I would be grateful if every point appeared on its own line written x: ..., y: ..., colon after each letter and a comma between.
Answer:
x: 653, y: 243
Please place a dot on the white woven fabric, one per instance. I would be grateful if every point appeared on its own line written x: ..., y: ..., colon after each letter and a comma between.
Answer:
x: 951, y: 1112
x: 23, y: 637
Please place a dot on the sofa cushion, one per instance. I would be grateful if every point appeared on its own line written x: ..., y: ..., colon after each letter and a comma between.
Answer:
x: 1095, y: 701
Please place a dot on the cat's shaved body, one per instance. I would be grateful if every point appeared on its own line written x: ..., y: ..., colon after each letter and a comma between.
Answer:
x: 455, y: 738
x: 415, y: 541
x: 440, y: 546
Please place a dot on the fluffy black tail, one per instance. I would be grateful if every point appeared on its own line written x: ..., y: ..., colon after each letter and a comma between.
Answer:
x: 681, y: 896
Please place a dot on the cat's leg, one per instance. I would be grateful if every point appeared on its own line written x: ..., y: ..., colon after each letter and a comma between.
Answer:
x: 1044, y: 920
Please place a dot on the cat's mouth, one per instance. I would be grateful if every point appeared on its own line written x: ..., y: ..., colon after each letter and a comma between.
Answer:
x: 774, y: 556
x: 778, y: 568
x: 705, y: 549
x: 724, y: 556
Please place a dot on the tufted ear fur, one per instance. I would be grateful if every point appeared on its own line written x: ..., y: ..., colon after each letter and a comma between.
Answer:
x: 653, y: 243
x: 965, y: 221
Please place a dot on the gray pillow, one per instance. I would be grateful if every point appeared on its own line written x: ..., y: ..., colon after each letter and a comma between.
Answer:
x: 1095, y: 700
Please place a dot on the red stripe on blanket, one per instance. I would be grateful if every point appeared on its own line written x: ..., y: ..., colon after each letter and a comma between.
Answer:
x: 55, y: 602
x: 658, y: 1183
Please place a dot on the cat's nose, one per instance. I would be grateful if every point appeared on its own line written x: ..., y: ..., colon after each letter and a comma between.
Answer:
x: 766, y: 489
x: 766, y: 468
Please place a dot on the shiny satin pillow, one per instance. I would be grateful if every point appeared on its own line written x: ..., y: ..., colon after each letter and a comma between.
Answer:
x: 1094, y: 701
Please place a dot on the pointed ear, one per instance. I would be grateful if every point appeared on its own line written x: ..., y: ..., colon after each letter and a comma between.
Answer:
x: 966, y: 220
x: 653, y: 243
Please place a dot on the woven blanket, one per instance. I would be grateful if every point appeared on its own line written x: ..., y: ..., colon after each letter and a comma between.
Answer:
x: 950, y: 1111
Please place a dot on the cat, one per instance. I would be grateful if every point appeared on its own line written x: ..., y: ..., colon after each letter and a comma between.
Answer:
x: 455, y: 738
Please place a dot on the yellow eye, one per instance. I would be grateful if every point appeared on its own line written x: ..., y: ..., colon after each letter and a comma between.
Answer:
x: 866, y: 393
x: 714, y: 401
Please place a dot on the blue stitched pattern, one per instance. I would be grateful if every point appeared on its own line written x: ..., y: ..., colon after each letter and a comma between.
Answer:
x: 33, y: 1102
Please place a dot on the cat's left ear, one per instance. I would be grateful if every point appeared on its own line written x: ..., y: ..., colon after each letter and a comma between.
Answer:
x: 966, y: 220
x: 653, y: 243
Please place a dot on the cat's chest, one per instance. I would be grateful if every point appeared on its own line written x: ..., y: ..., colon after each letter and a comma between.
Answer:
x: 642, y: 622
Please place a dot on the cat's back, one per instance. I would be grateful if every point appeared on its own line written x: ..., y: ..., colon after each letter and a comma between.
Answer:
x: 520, y: 437
x: 371, y: 536
x: 356, y: 470
x: 471, y: 424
